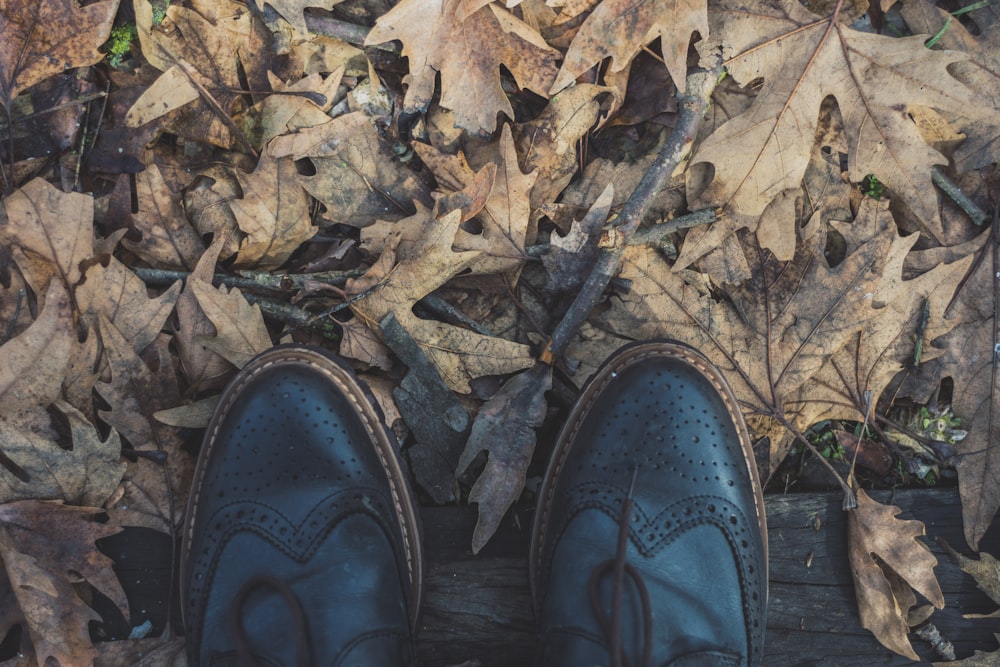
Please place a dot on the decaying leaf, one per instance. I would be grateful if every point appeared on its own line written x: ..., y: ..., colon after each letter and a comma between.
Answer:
x: 505, y: 428
x: 41, y: 39
x: 458, y: 354
x: 466, y: 42
x: 168, y: 240
x: 47, y: 548
x: 887, y: 560
x: 357, y: 176
x: 985, y: 570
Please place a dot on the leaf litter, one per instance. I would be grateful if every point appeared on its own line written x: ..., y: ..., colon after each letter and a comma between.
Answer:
x: 456, y: 212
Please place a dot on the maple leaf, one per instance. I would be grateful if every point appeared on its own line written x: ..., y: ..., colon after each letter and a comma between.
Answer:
x: 621, y: 28
x: 168, y: 240
x: 505, y: 213
x: 458, y: 354
x: 52, y: 232
x: 46, y: 548
x: 466, y: 42
x: 802, y: 59
x: 293, y: 11
x: 981, y: 73
x: 886, y: 560
x: 776, y: 333
x: 41, y: 39
x: 134, y: 393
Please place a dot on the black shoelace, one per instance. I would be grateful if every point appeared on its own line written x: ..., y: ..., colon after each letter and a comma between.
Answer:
x: 299, y: 622
x: 618, y: 567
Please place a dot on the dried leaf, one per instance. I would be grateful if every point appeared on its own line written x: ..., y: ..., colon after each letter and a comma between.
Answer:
x: 985, y: 570
x: 571, y: 256
x: 505, y: 428
x: 32, y: 366
x: 357, y: 176
x: 804, y: 58
x: 466, y: 43
x: 122, y: 297
x: 621, y: 28
x: 359, y: 342
x: 240, y: 330
x: 51, y: 231
x: 458, y: 354
x: 273, y: 213
x: 775, y: 334
x: 192, y: 415
x: 46, y: 547
x: 880, y: 546
x: 41, y: 39
x: 977, y: 659
x: 293, y: 11
x: 168, y: 240
x: 85, y: 474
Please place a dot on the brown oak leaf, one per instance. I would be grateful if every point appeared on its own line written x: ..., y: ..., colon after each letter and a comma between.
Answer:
x: 47, y: 548
x: 168, y: 240
x: 240, y: 332
x: 887, y: 560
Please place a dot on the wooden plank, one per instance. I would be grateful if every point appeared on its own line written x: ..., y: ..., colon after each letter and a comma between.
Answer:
x: 479, y: 607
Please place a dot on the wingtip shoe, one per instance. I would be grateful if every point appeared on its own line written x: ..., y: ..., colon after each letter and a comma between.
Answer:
x: 301, y: 543
x: 649, y: 545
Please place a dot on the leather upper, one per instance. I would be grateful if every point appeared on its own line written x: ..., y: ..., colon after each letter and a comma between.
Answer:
x: 696, y: 536
x: 299, y: 481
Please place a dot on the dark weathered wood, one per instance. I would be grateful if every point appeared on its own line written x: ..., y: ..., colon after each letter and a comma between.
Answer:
x: 479, y: 607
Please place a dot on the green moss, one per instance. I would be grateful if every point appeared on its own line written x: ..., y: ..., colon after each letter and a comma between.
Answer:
x: 120, y: 43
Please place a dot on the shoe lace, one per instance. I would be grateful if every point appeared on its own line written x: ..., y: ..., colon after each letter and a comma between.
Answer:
x: 299, y: 622
x: 618, y: 567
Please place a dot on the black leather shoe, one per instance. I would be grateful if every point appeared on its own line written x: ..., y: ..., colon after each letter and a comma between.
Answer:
x: 649, y: 544
x: 301, y: 542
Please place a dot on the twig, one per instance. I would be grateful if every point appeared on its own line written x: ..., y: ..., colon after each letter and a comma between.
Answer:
x: 978, y: 215
x: 346, y: 32
x: 654, y: 235
x: 692, y: 107
x: 293, y: 315
x: 251, y: 279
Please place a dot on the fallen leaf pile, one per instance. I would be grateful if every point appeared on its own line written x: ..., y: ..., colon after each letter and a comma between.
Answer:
x: 426, y: 190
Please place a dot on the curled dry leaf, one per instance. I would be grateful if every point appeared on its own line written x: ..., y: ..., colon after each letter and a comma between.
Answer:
x: 46, y: 547
x: 886, y: 560
x: 505, y: 428
x: 466, y: 43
